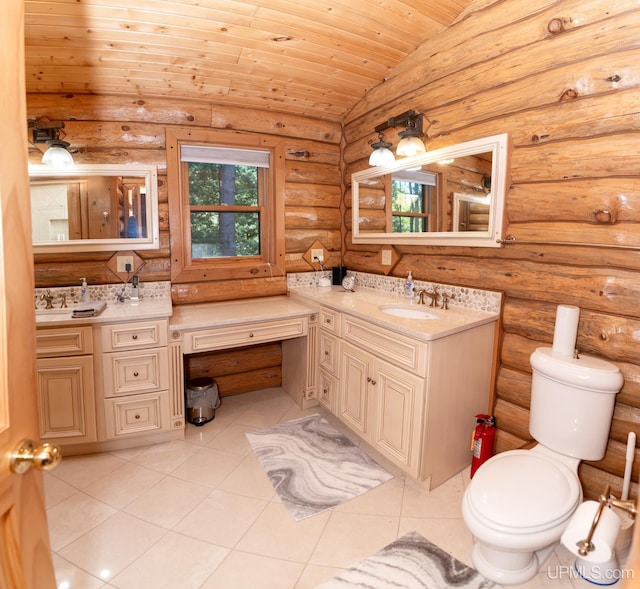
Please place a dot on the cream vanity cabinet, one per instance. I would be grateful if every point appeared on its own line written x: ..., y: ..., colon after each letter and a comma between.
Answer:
x: 66, y: 403
x: 132, y: 378
x: 413, y: 401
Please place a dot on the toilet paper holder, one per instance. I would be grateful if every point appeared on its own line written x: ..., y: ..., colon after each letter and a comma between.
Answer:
x: 606, y: 500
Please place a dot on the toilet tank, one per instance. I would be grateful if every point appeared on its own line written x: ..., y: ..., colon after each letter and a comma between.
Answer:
x: 572, y: 401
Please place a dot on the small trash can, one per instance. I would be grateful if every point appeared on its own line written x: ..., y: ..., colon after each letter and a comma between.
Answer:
x: 202, y: 400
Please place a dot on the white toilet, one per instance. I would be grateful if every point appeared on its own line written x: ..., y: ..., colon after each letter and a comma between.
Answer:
x: 519, y: 502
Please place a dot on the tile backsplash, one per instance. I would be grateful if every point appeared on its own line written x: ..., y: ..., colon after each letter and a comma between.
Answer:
x: 470, y: 298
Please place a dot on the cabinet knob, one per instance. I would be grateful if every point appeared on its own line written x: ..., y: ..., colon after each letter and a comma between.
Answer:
x: 134, y: 336
x: 137, y: 416
x: 251, y: 335
x: 326, y: 352
x: 136, y: 374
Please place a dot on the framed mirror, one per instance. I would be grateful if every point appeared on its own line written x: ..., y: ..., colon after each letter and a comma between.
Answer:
x: 88, y: 208
x: 449, y: 196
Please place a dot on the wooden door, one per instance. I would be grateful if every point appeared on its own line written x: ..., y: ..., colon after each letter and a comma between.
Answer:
x: 25, y: 556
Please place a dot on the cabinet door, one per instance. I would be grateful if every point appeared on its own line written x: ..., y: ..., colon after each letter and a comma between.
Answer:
x: 66, y: 399
x: 327, y: 390
x: 356, y: 368
x: 397, y: 400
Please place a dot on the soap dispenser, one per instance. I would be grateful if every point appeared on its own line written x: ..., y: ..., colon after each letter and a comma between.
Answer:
x: 408, y: 286
x: 84, y: 291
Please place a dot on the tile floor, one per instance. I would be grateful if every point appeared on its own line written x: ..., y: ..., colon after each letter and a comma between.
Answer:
x: 201, y: 514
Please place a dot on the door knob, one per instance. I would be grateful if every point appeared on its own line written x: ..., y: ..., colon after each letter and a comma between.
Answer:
x: 26, y: 455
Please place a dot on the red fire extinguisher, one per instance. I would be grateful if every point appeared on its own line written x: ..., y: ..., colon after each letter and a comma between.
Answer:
x: 482, y: 441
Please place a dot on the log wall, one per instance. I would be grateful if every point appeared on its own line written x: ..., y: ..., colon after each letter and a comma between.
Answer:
x: 119, y: 130
x: 562, y: 78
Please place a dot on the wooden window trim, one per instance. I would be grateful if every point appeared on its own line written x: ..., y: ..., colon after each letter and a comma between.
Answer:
x: 272, y: 260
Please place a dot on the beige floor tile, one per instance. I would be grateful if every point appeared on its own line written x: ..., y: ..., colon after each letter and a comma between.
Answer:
x: 233, y: 439
x: 167, y: 502
x: 276, y: 534
x: 449, y: 534
x: 314, y: 575
x: 444, y: 501
x: 249, y: 571
x: 69, y: 576
x: 81, y: 471
x: 222, y: 518
x: 165, y: 457
x: 207, y: 467
x: 56, y: 490
x: 124, y: 484
x: 249, y: 480
x: 174, y: 562
x: 75, y: 516
x: 112, y: 545
x: 349, y: 537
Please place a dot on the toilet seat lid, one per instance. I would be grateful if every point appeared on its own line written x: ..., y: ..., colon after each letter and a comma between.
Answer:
x: 521, y: 489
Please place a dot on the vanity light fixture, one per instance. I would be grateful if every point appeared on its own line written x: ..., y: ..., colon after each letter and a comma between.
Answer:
x: 45, y: 131
x: 410, y: 143
x: 381, y: 155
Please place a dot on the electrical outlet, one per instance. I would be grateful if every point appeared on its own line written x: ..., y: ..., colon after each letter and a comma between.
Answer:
x: 123, y: 262
x: 317, y: 255
x: 386, y: 258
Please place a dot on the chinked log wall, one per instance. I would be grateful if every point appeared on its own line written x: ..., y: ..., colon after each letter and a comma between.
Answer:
x: 118, y: 130
x: 562, y: 78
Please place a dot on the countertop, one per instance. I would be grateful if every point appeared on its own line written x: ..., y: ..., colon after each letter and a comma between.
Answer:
x: 365, y: 304
x: 203, y: 315
x: 114, y: 312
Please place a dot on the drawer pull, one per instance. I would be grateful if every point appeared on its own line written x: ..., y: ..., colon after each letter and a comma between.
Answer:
x: 137, y: 416
x: 251, y: 335
x: 134, y: 336
x: 136, y: 374
x: 327, y: 320
x: 326, y: 352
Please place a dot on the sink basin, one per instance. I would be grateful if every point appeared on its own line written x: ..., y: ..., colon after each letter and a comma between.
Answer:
x: 408, y: 312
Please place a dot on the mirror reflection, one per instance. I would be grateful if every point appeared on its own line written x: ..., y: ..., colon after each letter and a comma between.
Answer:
x: 454, y: 196
x: 94, y: 207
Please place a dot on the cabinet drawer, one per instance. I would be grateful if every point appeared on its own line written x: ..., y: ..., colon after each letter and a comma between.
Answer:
x: 330, y: 320
x: 393, y: 347
x: 328, y: 350
x: 64, y: 341
x: 136, y: 372
x: 234, y: 336
x: 131, y: 336
x: 139, y: 414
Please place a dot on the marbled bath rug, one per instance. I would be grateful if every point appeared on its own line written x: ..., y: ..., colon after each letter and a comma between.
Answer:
x: 312, y: 466
x: 411, y: 562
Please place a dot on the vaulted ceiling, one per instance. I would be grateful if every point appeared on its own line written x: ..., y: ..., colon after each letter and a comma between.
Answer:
x: 311, y: 57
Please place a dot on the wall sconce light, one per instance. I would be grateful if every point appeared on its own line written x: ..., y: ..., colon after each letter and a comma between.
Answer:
x: 410, y: 143
x: 45, y: 131
x: 381, y: 154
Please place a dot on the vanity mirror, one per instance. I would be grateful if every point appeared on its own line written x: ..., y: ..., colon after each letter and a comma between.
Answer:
x: 94, y: 208
x: 449, y: 196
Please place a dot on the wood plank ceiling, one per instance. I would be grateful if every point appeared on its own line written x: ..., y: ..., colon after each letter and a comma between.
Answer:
x: 312, y: 57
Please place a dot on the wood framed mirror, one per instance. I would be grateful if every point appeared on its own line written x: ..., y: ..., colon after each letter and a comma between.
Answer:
x: 88, y: 208
x: 449, y: 196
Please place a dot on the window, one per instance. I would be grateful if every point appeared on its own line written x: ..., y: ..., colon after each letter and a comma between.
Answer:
x: 226, y: 211
x: 412, y: 201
